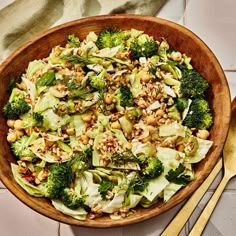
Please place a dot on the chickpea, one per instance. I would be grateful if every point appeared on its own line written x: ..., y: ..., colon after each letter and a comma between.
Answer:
x: 19, y: 133
x: 11, y: 137
x: 160, y: 112
x: 18, y: 125
x: 10, y: 123
x: 70, y: 131
x: 116, y: 125
x: 151, y: 120
x: 203, y: 134
x: 145, y: 78
x: 176, y: 56
x: 87, y: 117
x: 108, y: 99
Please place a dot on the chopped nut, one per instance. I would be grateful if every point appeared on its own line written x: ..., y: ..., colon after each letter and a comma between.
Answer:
x: 84, y: 138
x: 151, y: 120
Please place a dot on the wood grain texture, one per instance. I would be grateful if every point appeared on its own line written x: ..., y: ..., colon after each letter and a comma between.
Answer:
x: 179, y: 38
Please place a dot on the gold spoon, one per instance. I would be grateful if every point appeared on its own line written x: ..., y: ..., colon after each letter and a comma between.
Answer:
x: 176, y: 225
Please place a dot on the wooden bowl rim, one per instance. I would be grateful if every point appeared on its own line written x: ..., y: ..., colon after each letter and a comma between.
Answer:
x: 153, y: 211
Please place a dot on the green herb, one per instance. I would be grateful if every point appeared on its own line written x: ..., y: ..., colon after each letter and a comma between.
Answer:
x: 138, y: 185
x: 175, y: 176
x: 76, y: 89
x: 76, y: 59
x: 105, y: 185
x: 123, y: 157
x: 47, y: 79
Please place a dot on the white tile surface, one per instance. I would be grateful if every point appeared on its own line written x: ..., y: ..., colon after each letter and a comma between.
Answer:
x: 66, y: 230
x: 18, y: 219
x: 173, y: 10
x: 214, y: 22
x: 1, y: 185
x: 231, y: 77
x: 4, y: 3
x: 222, y: 222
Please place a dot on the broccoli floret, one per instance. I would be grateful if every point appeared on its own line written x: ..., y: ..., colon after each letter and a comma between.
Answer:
x: 153, y: 168
x: 16, y: 105
x: 192, y: 84
x: 181, y: 104
x: 134, y: 113
x: 201, y: 104
x: 59, y: 178
x: 60, y: 175
x: 37, y: 117
x: 72, y: 40
x: 71, y: 199
x: 35, y: 120
x: 12, y: 110
x: 124, y: 96
x: 98, y: 82
x: 109, y: 38
x: 143, y: 47
x: 21, y: 147
x: 199, y: 115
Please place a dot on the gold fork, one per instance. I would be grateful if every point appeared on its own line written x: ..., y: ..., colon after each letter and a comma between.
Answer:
x: 176, y: 225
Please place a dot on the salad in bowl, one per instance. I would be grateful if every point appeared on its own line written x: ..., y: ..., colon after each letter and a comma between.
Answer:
x: 108, y: 123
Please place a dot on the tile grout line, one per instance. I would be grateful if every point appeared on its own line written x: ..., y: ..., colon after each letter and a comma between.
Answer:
x: 230, y: 70
x: 59, y: 229
x: 184, y: 15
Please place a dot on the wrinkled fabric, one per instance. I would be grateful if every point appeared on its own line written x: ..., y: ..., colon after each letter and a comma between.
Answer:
x: 23, y: 19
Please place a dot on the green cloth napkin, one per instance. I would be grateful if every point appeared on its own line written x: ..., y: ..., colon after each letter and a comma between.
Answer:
x: 23, y: 19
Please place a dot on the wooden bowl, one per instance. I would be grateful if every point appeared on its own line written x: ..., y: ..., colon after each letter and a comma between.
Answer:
x: 179, y: 38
